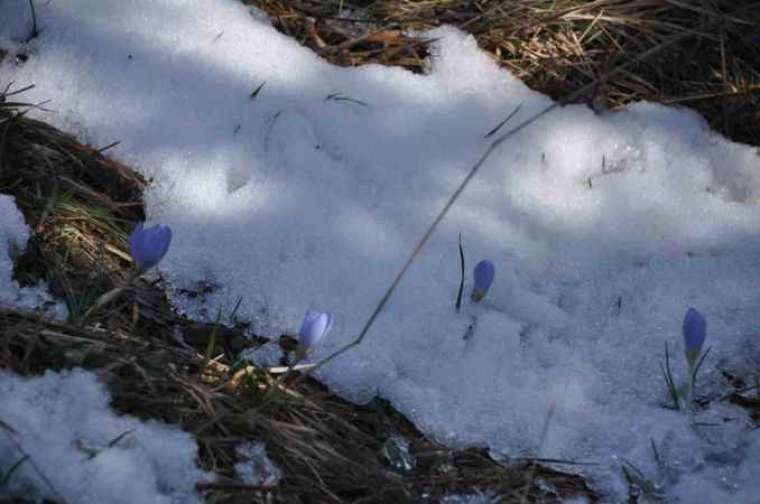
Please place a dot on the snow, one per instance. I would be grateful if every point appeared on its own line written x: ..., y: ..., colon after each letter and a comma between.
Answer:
x: 14, y: 233
x: 89, y: 454
x: 13, y: 237
x: 476, y: 498
x: 255, y: 467
x: 604, y: 228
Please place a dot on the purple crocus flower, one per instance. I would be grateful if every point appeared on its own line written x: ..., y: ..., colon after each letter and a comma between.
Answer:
x: 483, y: 274
x: 694, y: 334
x: 315, y: 327
x: 149, y: 245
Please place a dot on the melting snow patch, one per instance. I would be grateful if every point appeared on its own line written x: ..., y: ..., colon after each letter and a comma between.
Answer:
x: 603, y: 229
x: 86, y: 452
x: 255, y: 467
x: 14, y: 233
x: 476, y: 498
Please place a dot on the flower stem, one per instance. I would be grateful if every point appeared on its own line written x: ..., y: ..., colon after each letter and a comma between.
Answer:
x: 689, y: 390
x: 282, y: 378
x: 111, y: 295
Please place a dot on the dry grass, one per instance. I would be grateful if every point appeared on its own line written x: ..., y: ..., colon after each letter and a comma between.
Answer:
x: 81, y: 205
x: 329, y: 450
x: 560, y: 46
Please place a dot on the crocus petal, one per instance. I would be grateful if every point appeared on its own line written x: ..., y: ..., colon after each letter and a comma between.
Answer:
x: 316, y: 330
x: 308, y: 320
x: 315, y: 327
x: 149, y: 246
x: 483, y: 278
x: 694, y: 333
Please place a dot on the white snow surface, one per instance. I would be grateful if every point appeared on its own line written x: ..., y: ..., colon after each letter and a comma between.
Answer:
x: 14, y: 234
x: 603, y: 228
x: 88, y: 454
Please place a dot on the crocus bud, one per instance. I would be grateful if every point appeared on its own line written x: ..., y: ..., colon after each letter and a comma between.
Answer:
x: 148, y: 246
x: 315, y: 327
x: 483, y: 274
x: 694, y: 334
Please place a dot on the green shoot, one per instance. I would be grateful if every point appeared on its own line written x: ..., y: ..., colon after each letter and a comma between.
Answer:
x: 669, y: 382
x: 209, y: 353
x: 461, y: 281
x: 5, y: 477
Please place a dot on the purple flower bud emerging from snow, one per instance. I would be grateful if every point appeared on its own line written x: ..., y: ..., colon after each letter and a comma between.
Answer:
x: 148, y: 246
x: 315, y: 326
x: 484, y: 273
x: 694, y: 334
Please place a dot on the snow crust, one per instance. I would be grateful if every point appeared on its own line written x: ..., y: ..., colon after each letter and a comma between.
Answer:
x: 603, y: 229
x: 88, y: 454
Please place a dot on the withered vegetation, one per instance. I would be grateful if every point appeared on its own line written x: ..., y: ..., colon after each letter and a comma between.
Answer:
x: 705, y: 54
